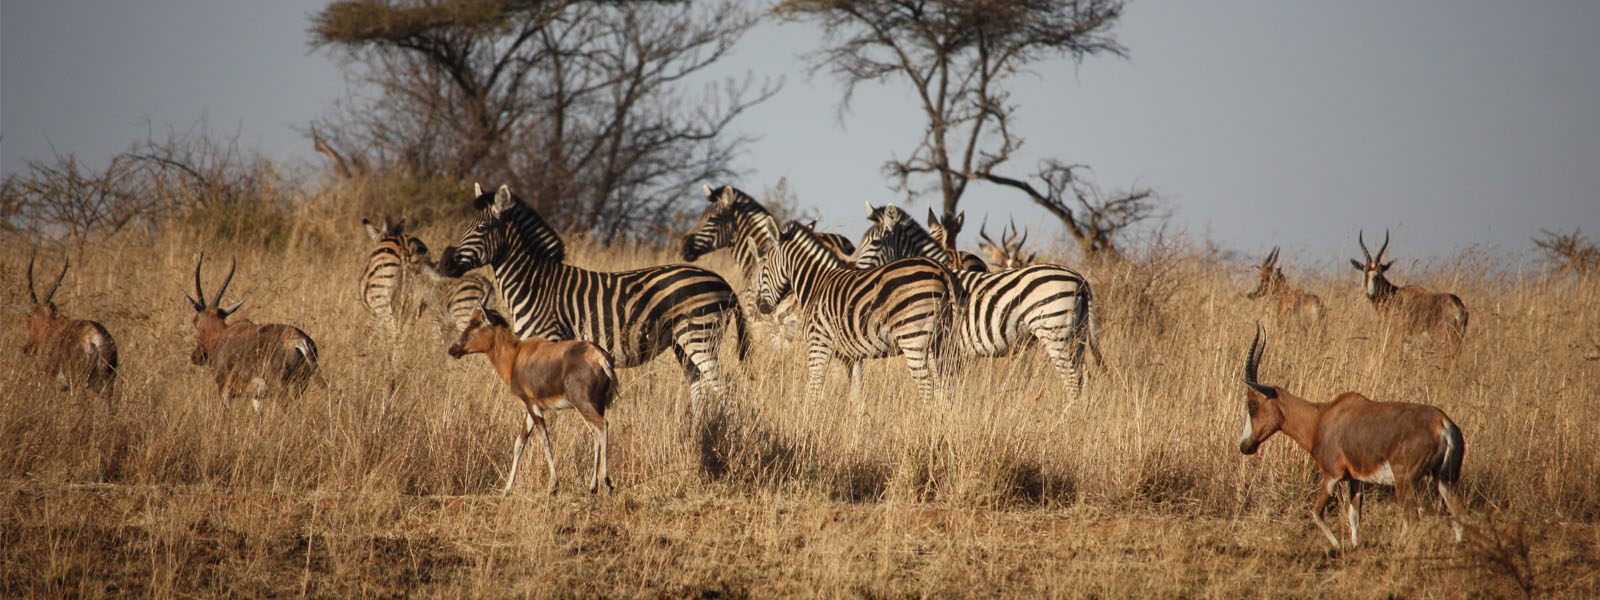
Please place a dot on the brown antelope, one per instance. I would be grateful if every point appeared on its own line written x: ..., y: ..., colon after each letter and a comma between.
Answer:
x: 940, y: 232
x: 1357, y: 441
x: 546, y: 375
x: 1419, y: 310
x: 1007, y: 253
x: 1288, y: 301
x: 79, y: 354
x: 250, y: 359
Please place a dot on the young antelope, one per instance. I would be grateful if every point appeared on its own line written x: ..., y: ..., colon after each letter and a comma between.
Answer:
x: 546, y: 375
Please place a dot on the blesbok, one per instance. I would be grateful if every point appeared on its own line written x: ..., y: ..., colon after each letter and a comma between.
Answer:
x: 77, y: 353
x: 940, y: 230
x: 1006, y: 253
x: 546, y: 375
x: 1418, y: 310
x: 1287, y: 301
x: 1357, y: 441
x: 251, y: 359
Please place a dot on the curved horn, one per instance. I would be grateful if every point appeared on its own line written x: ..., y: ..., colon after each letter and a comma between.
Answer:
x: 32, y: 296
x: 1363, y: 243
x: 1023, y: 242
x: 52, y: 293
x: 199, y: 299
x: 225, y: 281
x: 1385, y: 247
x: 1272, y: 258
x: 984, y: 234
x: 1252, y: 360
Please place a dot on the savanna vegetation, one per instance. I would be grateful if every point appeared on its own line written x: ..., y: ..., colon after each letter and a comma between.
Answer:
x: 385, y: 482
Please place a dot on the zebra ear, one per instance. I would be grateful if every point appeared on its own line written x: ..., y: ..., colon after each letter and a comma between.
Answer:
x: 708, y: 193
x: 477, y: 189
x: 870, y: 210
x: 932, y: 218
x: 372, y: 231
x: 502, y: 200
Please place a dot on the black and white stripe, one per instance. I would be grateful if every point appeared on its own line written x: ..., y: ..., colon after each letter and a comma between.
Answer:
x: 959, y: 261
x: 903, y: 307
x: 389, y: 288
x: 1051, y: 303
x: 634, y: 315
x: 450, y: 300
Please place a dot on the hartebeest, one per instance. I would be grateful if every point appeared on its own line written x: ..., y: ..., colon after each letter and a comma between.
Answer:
x: 546, y: 375
x: 1419, y: 311
x: 77, y: 353
x: 1006, y: 253
x: 1287, y: 301
x: 1357, y: 441
x: 248, y: 358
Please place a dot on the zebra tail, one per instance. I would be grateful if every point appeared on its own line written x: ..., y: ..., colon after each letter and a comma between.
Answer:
x: 1454, y: 449
x: 743, y: 341
x: 1089, y: 326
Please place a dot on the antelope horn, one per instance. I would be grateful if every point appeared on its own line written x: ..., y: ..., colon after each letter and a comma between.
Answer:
x: 1272, y: 258
x: 31, y: 295
x: 225, y: 281
x: 1385, y: 247
x: 199, y: 298
x: 984, y: 234
x: 1024, y: 239
x: 1363, y: 243
x: 1252, y: 359
x: 52, y: 293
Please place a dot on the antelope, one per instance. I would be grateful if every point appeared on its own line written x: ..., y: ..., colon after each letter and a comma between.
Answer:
x: 546, y: 375
x: 1288, y: 301
x: 1419, y: 310
x: 78, y: 353
x: 248, y: 358
x: 1007, y: 253
x: 940, y: 231
x: 1357, y: 441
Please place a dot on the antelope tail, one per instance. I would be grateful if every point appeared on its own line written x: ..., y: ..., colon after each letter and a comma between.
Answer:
x: 1454, y: 448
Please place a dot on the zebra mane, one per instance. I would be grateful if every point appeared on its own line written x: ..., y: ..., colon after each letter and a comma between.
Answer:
x: 895, y: 235
x: 743, y: 204
x: 525, y: 224
x: 802, y: 237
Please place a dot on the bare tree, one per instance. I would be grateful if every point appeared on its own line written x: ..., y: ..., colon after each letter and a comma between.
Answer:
x: 1092, y: 217
x: 579, y: 105
x: 958, y: 56
x: 62, y: 198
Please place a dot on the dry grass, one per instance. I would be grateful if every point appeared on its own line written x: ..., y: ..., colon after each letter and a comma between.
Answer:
x: 383, y: 483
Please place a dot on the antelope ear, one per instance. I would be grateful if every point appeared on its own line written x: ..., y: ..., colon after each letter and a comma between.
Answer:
x: 502, y: 200
x: 198, y: 306
x: 20, y: 308
x: 1386, y: 266
x: 1266, y: 391
x: 708, y: 193
x: 372, y: 231
x: 229, y: 310
x: 1357, y: 264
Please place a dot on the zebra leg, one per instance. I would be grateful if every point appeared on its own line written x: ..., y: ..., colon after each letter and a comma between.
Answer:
x: 696, y: 343
x: 696, y: 393
x: 855, y: 388
x: 1066, y: 355
x: 918, y: 356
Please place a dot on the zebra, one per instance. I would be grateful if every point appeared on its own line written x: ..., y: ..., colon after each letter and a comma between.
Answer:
x: 903, y: 307
x: 959, y: 261
x: 450, y: 300
x: 1050, y: 303
x: 388, y: 285
x: 634, y: 315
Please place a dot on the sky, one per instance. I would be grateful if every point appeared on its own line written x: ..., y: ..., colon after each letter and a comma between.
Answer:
x: 1455, y: 125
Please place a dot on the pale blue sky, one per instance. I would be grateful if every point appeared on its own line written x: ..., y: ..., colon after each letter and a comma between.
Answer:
x: 1451, y: 123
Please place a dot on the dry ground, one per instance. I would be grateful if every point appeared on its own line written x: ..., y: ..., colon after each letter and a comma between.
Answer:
x: 383, y: 484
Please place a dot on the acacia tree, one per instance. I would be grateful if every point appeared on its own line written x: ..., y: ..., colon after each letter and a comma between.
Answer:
x: 958, y: 56
x: 579, y: 105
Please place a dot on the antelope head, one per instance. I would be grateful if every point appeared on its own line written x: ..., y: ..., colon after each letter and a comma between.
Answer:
x: 210, y: 321
x: 1271, y: 276
x: 1007, y: 253
x: 42, y: 315
x: 1374, y: 267
x: 1262, y: 414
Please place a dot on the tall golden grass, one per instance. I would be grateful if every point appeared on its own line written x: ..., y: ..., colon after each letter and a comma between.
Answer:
x: 384, y: 483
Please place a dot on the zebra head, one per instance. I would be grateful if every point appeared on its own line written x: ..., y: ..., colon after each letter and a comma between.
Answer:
x: 774, y: 280
x: 504, y: 225
x: 895, y: 235
x: 730, y: 216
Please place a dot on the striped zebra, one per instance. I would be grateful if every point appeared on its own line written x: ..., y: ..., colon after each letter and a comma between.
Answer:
x: 450, y: 300
x: 634, y: 315
x: 959, y: 261
x: 903, y: 307
x: 1050, y: 303
x: 389, y: 286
